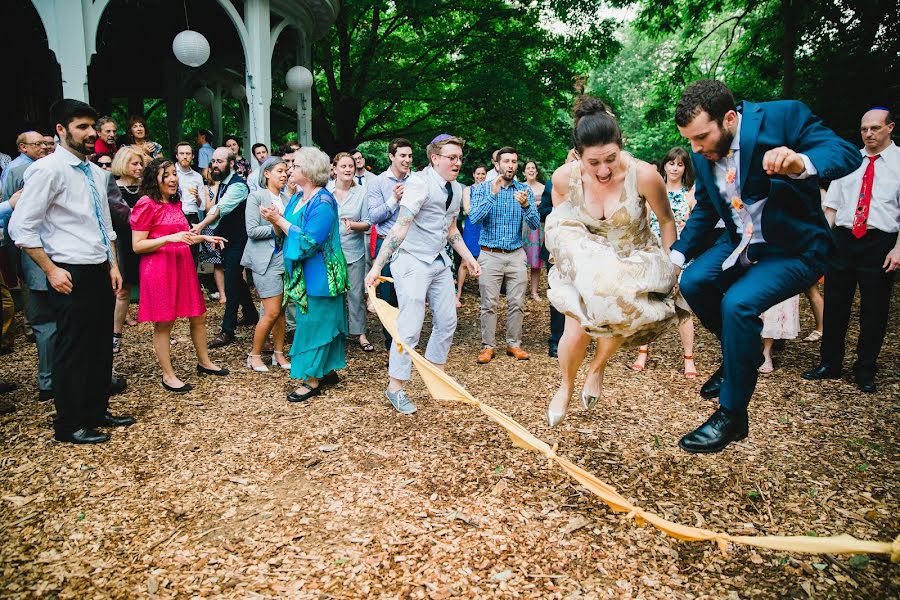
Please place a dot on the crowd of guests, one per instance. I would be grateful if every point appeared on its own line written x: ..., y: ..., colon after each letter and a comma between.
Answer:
x: 97, y: 213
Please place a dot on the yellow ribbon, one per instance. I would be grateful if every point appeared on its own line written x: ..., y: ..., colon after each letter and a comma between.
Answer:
x: 443, y: 387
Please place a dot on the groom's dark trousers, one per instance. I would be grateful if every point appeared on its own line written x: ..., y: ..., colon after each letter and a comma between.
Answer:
x: 742, y: 295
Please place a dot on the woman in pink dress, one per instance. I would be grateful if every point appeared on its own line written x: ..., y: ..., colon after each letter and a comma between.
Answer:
x: 169, y: 287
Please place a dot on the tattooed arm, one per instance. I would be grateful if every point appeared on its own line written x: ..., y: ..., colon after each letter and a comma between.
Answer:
x: 391, y: 243
x: 456, y: 242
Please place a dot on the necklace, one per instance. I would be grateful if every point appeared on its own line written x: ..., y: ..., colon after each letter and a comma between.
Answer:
x: 128, y: 188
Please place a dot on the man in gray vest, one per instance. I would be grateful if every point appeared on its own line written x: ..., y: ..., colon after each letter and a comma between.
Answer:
x: 419, y: 264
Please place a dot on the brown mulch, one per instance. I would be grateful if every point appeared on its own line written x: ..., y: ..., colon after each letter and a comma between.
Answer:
x: 232, y: 492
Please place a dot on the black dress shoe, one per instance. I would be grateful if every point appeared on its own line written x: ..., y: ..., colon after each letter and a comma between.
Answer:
x: 8, y: 386
x: 246, y: 321
x: 45, y: 395
x: 822, y: 372
x: 720, y: 429
x: 866, y: 385
x: 221, y: 372
x: 330, y: 379
x: 6, y: 407
x: 223, y: 339
x: 178, y: 390
x: 117, y: 385
x: 553, y: 353
x: 713, y: 385
x: 313, y: 391
x: 82, y: 436
x: 109, y: 420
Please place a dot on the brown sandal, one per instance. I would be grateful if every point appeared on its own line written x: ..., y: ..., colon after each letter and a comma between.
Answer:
x: 636, y: 366
x: 689, y: 374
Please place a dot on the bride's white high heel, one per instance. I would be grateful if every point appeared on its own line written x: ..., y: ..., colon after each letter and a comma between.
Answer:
x: 275, y: 362
x: 555, y: 418
x: 588, y: 401
x: 260, y: 369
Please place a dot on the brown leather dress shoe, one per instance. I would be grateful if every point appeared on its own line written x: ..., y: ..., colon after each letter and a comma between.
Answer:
x: 223, y: 339
x: 518, y: 353
x: 487, y: 354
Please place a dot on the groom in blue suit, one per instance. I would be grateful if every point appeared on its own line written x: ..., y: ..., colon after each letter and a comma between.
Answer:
x: 758, y: 169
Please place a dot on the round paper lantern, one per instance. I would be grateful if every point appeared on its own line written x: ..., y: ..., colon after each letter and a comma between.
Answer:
x: 191, y: 48
x: 290, y: 99
x: 204, y: 96
x: 238, y: 92
x: 299, y: 79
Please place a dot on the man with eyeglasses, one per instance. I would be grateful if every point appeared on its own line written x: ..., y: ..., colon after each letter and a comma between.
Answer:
x: 420, y: 265
x: 502, y: 206
x: 31, y: 147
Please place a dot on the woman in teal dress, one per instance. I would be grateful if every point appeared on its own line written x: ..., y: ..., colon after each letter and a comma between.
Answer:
x: 315, y: 274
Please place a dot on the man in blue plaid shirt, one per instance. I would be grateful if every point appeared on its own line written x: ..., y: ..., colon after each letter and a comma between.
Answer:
x: 502, y: 206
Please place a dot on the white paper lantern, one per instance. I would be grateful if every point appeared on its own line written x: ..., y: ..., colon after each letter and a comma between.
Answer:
x: 191, y: 48
x: 299, y: 79
x: 290, y: 99
x: 238, y: 92
x: 204, y: 96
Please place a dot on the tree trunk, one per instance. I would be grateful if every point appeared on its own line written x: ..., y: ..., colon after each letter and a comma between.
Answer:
x: 789, y: 18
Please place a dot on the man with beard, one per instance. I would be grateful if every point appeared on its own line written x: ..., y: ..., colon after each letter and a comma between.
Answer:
x: 501, y: 206
x: 758, y: 168
x: 227, y: 220
x: 421, y: 267
x: 384, y: 195
x: 62, y: 221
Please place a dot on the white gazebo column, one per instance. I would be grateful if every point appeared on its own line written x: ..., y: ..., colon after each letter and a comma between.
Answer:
x: 258, y: 55
x: 71, y: 27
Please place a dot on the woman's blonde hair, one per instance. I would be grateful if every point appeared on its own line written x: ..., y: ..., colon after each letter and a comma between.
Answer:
x: 314, y: 165
x: 123, y: 157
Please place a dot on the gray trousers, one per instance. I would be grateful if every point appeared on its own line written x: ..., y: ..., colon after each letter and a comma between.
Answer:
x: 356, y: 302
x: 43, y: 323
x: 415, y: 282
x: 495, y: 268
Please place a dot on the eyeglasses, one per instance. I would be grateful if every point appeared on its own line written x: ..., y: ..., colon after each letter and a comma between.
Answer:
x: 105, y: 165
x: 47, y: 144
x: 454, y: 157
x: 32, y: 143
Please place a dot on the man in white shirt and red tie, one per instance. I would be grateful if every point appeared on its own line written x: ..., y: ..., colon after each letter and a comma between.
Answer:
x: 864, y: 210
x: 62, y: 221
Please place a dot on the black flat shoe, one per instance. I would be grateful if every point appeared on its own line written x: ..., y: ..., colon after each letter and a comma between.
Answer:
x: 866, y: 386
x: 8, y: 386
x: 823, y: 371
x: 222, y: 372
x: 330, y: 379
x: 109, y: 420
x: 312, y: 393
x: 45, y: 395
x: 178, y: 390
x: 713, y: 385
x: 720, y: 429
x: 82, y: 436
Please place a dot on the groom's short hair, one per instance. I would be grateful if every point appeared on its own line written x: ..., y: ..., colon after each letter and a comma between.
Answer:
x: 707, y: 95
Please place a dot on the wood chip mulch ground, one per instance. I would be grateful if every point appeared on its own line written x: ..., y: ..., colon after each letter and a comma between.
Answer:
x: 232, y: 492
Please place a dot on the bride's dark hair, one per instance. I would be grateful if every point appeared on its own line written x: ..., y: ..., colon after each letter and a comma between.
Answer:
x: 595, y: 124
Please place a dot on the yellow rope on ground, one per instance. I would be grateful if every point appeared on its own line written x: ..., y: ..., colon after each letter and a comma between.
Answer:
x: 443, y: 387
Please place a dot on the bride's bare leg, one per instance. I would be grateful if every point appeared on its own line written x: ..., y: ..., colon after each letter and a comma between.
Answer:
x: 593, y: 380
x: 572, y: 348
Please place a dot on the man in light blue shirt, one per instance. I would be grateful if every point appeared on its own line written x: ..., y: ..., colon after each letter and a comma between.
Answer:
x: 204, y: 151
x: 31, y: 147
x: 384, y: 195
x: 501, y: 206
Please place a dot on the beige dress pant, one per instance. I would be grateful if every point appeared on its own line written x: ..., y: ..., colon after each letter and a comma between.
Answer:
x: 497, y: 267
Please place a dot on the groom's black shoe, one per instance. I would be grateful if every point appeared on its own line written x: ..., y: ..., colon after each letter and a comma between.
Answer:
x: 720, y: 429
x: 713, y: 385
x: 823, y: 371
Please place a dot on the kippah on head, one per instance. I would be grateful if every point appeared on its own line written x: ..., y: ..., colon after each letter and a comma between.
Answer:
x: 441, y: 138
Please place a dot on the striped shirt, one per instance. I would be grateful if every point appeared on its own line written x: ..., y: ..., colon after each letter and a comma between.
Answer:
x: 501, y: 216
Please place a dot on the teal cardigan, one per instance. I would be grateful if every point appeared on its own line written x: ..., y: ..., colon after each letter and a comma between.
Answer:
x: 314, y: 263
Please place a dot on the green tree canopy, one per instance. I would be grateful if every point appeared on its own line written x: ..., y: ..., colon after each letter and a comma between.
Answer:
x: 491, y: 71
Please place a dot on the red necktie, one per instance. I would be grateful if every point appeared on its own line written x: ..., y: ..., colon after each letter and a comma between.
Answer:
x: 861, y: 217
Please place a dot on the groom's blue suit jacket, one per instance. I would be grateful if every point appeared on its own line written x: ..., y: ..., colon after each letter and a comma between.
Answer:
x: 792, y: 220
